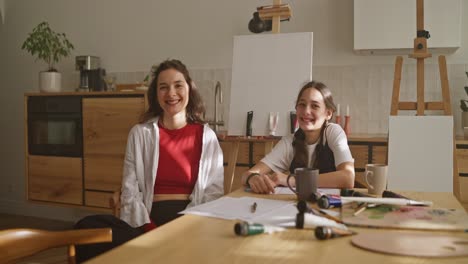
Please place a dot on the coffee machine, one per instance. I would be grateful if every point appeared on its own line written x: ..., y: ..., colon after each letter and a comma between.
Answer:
x: 91, y: 75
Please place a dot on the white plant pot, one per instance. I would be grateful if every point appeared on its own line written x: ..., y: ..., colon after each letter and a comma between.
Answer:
x: 50, y: 81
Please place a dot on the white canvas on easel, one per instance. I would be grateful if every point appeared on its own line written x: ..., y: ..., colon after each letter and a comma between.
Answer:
x: 267, y: 72
x: 420, y: 153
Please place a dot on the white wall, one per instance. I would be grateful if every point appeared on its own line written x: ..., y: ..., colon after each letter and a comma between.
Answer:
x: 129, y: 36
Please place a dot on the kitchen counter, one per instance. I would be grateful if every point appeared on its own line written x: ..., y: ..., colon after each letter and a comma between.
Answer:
x: 65, y: 93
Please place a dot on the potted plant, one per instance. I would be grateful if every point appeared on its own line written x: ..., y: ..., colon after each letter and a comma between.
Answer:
x: 50, y: 47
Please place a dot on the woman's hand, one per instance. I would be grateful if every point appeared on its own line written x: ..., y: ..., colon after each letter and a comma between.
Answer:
x: 280, y: 179
x: 262, y: 183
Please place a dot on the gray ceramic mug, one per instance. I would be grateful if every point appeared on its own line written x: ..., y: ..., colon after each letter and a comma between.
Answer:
x: 306, y: 183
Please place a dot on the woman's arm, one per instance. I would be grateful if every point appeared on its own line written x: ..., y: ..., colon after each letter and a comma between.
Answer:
x: 343, y: 177
x: 133, y: 210
x: 259, y: 179
x: 212, y: 165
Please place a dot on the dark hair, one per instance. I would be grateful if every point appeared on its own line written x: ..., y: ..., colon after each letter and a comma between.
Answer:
x: 195, y: 107
x: 299, y: 144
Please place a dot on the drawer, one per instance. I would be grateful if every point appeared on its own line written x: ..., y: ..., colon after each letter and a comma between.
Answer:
x: 463, y: 189
x: 462, y: 160
x: 98, y: 199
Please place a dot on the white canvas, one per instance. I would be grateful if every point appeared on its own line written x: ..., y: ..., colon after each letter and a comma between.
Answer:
x: 420, y: 153
x: 267, y: 72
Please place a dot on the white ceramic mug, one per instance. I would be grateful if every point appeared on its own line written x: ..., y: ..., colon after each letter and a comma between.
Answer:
x: 376, y: 178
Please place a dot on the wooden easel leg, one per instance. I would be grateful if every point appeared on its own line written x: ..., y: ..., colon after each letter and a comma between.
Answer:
x: 420, y: 86
x: 445, y: 85
x: 396, y: 86
x: 275, y: 27
x: 231, y: 167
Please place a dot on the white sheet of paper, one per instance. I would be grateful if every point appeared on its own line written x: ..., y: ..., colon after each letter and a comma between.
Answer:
x: 273, y: 212
x: 286, y: 190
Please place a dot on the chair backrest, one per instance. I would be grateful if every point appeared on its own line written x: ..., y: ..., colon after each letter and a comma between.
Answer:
x: 19, y: 243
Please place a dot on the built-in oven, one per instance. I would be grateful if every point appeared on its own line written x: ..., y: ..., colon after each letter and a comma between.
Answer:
x: 55, y: 126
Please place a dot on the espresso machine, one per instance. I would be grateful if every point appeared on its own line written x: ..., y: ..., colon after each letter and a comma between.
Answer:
x: 91, y: 75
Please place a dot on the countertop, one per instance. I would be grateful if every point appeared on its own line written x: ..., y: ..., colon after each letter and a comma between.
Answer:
x: 64, y: 93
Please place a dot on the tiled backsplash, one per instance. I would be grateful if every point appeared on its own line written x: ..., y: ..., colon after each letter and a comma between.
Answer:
x: 367, y: 89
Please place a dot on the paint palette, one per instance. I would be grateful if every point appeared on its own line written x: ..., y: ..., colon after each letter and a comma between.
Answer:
x: 406, y: 217
x: 413, y: 244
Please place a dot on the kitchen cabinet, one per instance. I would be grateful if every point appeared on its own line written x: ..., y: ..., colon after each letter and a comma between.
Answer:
x: 89, y: 179
x: 389, y: 26
x: 55, y: 179
x: 106, y: 123
x: 462, y: 163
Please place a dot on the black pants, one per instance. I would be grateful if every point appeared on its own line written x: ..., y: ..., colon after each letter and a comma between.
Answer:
x: 161, y: 213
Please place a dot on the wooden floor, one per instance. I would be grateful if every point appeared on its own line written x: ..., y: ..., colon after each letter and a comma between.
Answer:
x: 52, y: 256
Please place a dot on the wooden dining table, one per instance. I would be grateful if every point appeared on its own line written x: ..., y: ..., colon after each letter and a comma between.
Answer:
x: 199, y: 239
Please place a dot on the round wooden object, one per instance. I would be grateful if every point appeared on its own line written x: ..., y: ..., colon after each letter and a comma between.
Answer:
x: 413, y: 244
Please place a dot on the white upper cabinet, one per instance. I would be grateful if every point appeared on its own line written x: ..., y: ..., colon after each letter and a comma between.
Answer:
x: 389, y: 26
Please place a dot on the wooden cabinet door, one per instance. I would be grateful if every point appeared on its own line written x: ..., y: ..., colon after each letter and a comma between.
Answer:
x: 379, y: 154
x: 55, y: 179
x: 106, y: 123
x: 360, y: 154
x: 462, y: 160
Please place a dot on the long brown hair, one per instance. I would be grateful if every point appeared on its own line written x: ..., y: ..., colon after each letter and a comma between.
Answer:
x: 195, y: 107
x: 299, y: 144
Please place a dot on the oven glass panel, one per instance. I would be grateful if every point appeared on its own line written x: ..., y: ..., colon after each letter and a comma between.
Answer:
x: 54, y: 132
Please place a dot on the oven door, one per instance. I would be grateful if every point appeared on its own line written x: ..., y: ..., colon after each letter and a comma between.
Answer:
x: 55, y: 134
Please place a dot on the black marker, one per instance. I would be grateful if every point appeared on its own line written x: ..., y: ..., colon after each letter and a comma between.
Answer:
x: 248, y: 131
x: 327, y: 232
x: 292, y: 121
x: 302, y: 207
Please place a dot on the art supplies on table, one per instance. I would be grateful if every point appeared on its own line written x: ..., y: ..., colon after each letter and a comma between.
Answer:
x: 247, y: 229
x: 405, y: 217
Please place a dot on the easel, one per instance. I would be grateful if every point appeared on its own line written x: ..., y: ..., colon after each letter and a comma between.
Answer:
x: 420, y: 53
x: 275, y: 12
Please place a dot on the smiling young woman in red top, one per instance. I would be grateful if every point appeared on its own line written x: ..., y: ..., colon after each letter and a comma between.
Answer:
x: 317, y: 143
x: 173, y: 160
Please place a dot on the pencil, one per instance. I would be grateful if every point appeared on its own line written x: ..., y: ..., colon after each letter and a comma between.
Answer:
x: 253, y: 207
x: 330, y: 217
x: 360, y: 209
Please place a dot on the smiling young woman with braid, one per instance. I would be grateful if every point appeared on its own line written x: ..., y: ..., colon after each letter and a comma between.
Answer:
x: 317, y: 143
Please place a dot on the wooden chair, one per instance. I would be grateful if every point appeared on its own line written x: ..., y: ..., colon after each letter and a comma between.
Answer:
x: 16, y: 244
